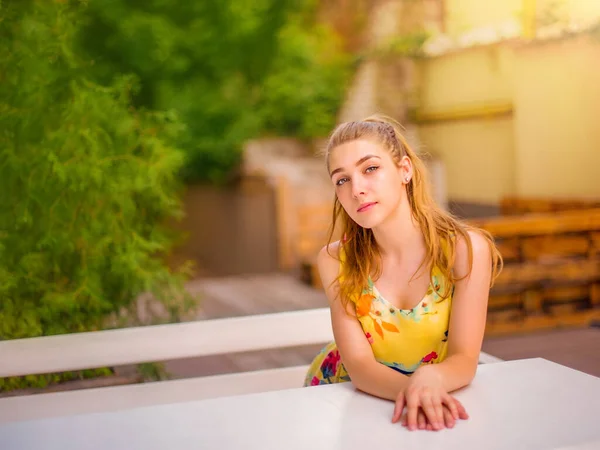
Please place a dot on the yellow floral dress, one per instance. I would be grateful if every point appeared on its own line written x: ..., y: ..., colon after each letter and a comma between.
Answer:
x: 402, y: 339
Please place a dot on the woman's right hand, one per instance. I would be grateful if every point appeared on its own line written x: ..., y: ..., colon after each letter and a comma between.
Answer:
x: 449, y: 419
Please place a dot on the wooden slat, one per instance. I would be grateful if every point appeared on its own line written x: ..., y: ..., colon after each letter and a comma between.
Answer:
x: 504, y: 301
x: 503, y: 316
x: 595, y: 294
x: 568, y: 271
x: 548, y: 247
x: 595, y: 243
x: 532, y: 302
x: 562, y: 309
x: 526, y: 205
x: 509, y: 249
x: 542, y: 224
x: 545, y: 322
x: 163, y: 342
x: 561, y: 294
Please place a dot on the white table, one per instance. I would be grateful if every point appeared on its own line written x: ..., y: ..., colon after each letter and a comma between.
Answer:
x: 526, y: 404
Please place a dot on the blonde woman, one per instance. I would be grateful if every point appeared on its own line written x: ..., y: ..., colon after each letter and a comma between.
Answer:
x: 408, y: 285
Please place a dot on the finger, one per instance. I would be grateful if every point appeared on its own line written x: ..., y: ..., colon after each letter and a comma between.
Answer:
x: 429, y: 427
x: 430, y: 412
x: 462, y: 412
x: 404, y: 420
x: 398, y: 408
x: 439, y: 411
x: 452, y: 404
x: 448, y: 419
x: 411, y: 413
x: 421, y: 420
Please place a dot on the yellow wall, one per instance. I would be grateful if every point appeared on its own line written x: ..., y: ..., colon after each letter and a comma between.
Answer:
x: 574, y: 9
x: 584, y: 8
x: 557, y: 118
x: 549, y: 146
x: 548, y: 141
x: 466, y: 78
x: 478, y: 156
x: 463, y: 15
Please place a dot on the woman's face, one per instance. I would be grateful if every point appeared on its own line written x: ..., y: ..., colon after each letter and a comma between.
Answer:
x: 368, y: 183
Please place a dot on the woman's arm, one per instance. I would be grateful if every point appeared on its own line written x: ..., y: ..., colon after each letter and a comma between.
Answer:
x: 429, y: 386
x: 357, y: 356
x: 468, y: 315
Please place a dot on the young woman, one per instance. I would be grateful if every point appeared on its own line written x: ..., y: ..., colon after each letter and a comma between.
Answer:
x: 408, y: 284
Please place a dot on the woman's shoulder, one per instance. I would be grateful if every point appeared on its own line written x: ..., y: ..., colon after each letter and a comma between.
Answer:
x: 328, y: 263
x: 472, y: 247
x: 330, y: 256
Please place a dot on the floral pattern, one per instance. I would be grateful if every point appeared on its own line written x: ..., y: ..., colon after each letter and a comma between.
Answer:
x: 400, y: 339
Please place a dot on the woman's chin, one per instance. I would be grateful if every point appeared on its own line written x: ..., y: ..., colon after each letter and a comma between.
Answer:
x: 367, y: 222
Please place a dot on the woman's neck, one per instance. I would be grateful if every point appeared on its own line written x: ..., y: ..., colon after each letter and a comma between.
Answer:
x: 400, y: 236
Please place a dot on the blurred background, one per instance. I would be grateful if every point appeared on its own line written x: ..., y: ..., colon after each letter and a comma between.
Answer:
x: 160, y: 161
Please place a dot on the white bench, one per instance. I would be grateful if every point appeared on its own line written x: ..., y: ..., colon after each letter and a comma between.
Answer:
x: 89, y: 350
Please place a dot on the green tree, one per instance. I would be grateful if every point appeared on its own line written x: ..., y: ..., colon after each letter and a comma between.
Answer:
x: 232, y: 69
x: 305, y: 87
x: 87, y: 181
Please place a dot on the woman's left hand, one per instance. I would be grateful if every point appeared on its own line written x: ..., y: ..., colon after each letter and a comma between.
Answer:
x: 425, y: 393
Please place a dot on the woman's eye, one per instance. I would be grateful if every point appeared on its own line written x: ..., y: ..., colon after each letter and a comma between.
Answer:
x: 372, y: 169
x: 341, y: 181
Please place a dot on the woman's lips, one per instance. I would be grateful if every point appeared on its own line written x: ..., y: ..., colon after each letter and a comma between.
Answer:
x: 366, y: 206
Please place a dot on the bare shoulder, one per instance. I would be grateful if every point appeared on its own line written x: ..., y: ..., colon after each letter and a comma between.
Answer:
x: 479, y: 244
x: 481, y: 255
x: 328, y: 262
x: 328, y: 259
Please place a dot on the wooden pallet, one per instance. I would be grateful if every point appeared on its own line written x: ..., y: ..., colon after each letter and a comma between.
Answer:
x: 511, y: 205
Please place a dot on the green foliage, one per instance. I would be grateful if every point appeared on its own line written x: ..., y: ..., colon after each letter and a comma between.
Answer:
x: 153, y: 372
x: 408, y: 45
x: 305, y: 88
x: 88, y: 182
x: 103, y: 106
x: 42, y: 381
x: 232, y: 69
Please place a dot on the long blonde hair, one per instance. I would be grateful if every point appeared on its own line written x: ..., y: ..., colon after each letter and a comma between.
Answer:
x: 362, y: 258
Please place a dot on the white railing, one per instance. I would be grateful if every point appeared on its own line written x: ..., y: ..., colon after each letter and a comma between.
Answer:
x: 163, y: 342
x: 158, y: 343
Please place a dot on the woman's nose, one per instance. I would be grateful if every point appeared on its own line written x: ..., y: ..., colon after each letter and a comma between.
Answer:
x: 358, y: 188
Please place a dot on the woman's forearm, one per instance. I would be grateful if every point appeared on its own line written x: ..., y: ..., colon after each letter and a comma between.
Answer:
x: 379, y: 380
x: 456, y: 371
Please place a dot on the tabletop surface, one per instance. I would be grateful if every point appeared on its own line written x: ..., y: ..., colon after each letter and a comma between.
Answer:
x: 524, y: 404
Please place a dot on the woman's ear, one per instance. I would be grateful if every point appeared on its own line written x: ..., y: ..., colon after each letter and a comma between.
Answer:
x: 406, y: 169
